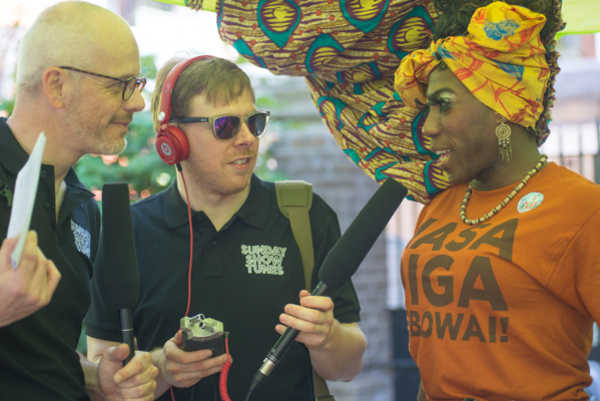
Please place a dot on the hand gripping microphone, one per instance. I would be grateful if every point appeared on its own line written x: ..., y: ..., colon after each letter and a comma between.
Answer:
x: 121, y: 275
x: 343, y: 259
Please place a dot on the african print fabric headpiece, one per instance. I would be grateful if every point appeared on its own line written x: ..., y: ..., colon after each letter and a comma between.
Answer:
x: 501, y: 62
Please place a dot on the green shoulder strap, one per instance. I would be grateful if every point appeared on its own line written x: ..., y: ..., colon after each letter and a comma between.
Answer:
x: 294, y: 199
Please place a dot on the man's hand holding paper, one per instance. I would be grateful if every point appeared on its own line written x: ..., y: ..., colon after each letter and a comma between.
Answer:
x: 29, y: 287
x: 27, y: 278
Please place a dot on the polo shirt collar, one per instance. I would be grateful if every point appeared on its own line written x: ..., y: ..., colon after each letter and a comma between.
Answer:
x: 253, y: 212
x: 73, y: 182
x: 255, y: 209
x: 14, y: 157
x: 175, y: 208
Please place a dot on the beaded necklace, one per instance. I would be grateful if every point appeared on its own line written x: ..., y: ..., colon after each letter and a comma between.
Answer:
x: 463, y: 206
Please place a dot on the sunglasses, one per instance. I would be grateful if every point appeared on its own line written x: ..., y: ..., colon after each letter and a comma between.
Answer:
x: 129, y: 84
x: 227, y: 127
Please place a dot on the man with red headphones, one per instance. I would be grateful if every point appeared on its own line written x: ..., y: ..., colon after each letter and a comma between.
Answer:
x: 76, y: 82
x: 245, y: 269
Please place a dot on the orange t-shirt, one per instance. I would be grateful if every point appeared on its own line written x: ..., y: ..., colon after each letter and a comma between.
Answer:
x: 503, y: 310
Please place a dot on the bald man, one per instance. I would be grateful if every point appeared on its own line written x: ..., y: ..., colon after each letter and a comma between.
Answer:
x: 77, y: 82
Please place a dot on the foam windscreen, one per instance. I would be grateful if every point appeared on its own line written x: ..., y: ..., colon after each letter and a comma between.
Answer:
x: 348, y: 253
x: 121, y: 275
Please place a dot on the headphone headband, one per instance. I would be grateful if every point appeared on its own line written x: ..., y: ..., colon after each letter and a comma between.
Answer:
x: 171, y: 144
x: 164, y: 114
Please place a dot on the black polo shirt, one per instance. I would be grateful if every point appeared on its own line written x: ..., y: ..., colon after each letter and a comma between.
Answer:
x: 243, y: 276
x: 37, y: 354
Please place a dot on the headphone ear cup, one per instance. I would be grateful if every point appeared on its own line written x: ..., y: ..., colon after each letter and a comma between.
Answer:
x: 171, y: 144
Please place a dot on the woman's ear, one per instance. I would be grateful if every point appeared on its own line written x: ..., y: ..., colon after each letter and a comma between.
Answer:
x: 499, y: 118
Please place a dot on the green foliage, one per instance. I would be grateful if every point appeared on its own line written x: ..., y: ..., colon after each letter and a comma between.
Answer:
x: 267, y: 102
x: 7, y: 105
x: 148, y: 64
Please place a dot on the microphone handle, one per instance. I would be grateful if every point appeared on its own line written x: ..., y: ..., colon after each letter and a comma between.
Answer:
x: 127, y: 332
x: 286, y: 339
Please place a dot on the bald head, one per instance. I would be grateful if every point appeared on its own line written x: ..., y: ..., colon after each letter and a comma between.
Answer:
x: 76, y: 34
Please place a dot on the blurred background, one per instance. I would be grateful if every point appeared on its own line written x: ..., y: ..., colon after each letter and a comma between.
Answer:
x: 299, y: 146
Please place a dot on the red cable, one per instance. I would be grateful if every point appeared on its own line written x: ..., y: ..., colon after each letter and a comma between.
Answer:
x: 187, y: 309
x: 227, y: 365
x: 191, y: 245
x: 224, y: 373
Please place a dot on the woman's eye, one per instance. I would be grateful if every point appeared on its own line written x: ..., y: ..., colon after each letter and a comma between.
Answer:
x: 444, y: 105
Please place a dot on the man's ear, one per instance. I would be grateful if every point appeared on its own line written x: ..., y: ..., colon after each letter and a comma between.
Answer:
x: 54, y: 86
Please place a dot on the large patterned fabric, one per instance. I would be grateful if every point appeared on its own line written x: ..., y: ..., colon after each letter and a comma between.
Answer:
x: 501, y: 61
x: 348, y: 50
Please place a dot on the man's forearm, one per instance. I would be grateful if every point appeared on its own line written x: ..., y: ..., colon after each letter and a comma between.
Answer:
x: 162, y: 384
x: 342, y: 357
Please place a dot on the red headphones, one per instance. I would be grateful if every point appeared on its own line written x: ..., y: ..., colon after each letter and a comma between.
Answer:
x: 171, y: 144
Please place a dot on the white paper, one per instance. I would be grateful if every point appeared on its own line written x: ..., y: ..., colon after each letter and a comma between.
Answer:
x: 24, y: 199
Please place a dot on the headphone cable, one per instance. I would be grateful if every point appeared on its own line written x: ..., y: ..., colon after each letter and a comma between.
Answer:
x: 225, y: 370
x: 189, y: 208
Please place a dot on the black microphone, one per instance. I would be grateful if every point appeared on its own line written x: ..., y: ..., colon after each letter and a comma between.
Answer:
x: 343, y: 259
x: 121, y: 275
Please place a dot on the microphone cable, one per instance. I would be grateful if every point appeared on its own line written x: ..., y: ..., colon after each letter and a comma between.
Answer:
x: 249, y: 393
x: 225, y: 372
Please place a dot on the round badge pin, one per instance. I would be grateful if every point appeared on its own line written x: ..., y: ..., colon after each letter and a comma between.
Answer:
x: 530, y: 201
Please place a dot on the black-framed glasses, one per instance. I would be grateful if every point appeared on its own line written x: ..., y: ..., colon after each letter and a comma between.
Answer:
x: 226, y: 127
x: 129, y: 84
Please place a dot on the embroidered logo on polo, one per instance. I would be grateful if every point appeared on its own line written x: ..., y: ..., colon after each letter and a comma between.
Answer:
x: 82, y: 239
x: 264, y: 259
x: 530, y: 202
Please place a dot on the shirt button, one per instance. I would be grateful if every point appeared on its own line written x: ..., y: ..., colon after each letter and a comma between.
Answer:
x: 46, y: 204
x: 43, y: 174
x: 213, y: 242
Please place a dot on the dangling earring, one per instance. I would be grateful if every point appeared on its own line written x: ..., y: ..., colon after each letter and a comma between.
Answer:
x: 503, y: 133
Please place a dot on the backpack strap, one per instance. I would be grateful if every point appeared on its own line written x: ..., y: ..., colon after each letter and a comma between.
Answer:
x: 294, y: 199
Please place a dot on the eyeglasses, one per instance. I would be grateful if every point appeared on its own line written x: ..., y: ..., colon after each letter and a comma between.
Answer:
x: 129, y: 84
x: 227, y: 127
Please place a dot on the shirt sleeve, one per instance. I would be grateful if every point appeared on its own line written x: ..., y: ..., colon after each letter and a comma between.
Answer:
x: 576, y: 277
